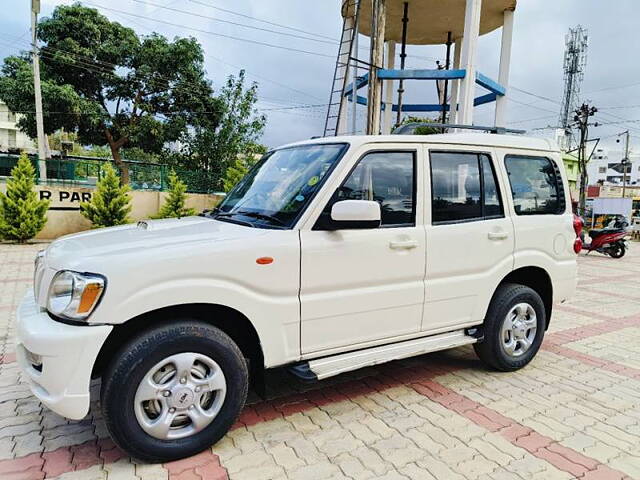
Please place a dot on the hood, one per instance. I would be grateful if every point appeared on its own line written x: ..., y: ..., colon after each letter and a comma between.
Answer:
x: 106, y: 244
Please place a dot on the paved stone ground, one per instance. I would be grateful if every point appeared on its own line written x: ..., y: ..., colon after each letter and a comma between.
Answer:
x: 573, y: 413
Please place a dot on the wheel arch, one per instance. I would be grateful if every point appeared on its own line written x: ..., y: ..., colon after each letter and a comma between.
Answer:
x: 537, y: 279
x: 230, y: 321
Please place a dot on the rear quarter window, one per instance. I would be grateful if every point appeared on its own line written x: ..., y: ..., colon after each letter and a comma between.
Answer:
x: 536, y: 185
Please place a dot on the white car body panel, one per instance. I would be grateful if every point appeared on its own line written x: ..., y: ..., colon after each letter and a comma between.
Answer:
x: 324, y: 293
x: 193, y: 260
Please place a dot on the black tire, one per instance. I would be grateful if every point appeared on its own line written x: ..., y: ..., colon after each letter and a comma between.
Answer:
x: 133, y: 361
x: 617, y: 250
x: 492, y: 350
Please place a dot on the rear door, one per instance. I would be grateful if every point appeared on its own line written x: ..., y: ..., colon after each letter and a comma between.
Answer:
x: 470, y: 238
x: 541, y: 213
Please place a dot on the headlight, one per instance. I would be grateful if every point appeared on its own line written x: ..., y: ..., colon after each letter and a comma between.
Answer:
x: 74, y: 295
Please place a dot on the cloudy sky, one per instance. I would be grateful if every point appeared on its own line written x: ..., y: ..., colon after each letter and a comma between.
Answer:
x: 302, y: 79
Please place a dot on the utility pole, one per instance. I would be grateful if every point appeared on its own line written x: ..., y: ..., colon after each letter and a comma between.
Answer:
x: 581, y: 120
x: 625, y: 162
x: 42, y: 151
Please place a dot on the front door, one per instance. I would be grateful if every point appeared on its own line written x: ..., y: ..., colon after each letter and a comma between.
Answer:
x: 470, y: 241
x: 363, y: 286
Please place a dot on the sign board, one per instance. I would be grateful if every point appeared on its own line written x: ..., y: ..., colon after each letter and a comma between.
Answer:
x: 612, y: 206
x: 62, y: 198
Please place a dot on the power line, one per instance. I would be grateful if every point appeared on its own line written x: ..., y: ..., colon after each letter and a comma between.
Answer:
x: 95, y: 65
x: 207, y: 32
x: 619, y: 87
x: 92, y: 68
x: 199, y: 15
x: 531, y: 105
x: 236, y: 67
x: 532, y: 119
x: 541, y: 97
x: 288, y: 27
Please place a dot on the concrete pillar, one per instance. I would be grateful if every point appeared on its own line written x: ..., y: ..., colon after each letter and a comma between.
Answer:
x: 387, y: 123
x: 468, y: 61
x: 455, y: 87
x: 505, y: 61
x: 374, y: 99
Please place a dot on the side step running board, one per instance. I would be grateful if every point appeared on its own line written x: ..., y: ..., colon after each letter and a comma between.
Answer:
x: 321, y: 368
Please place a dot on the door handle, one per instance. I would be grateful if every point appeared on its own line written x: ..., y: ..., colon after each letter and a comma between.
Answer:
x: 403, y: 244
x: 498, y: 235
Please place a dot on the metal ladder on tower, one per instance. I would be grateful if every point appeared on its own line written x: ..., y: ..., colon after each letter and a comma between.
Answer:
x: 340, y: 74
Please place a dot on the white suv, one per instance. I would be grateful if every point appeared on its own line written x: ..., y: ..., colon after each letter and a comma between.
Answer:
x: 330, y: 255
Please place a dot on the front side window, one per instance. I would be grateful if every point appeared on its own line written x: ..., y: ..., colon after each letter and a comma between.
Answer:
x: 280, y: 186
x: 535, y: 185
x: 385, y: 177
x: 463, y: 188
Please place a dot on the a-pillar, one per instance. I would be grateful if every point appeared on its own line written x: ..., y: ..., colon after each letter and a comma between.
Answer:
x: 455, y: 88
x: 387, y: 122
x: 374, y: 98
x: 505, y: 61
x: 468, y: 61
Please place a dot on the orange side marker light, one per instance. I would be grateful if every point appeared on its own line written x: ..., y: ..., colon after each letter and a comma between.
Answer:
x: 264, y: 260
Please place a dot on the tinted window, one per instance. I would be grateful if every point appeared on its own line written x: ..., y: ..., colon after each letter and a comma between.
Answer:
x: 463, y: 187
x: 455, y: 186
x: 492, y: 203
x: 386, y: 177
x: 534, y: 185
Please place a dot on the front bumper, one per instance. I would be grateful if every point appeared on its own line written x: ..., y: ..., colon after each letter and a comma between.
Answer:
x: 67, y: 353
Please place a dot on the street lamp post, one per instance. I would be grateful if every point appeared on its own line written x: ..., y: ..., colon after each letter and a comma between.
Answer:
x: 42, y: 166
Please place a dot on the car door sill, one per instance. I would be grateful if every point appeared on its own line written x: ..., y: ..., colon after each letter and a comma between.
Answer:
x: 325, y: 367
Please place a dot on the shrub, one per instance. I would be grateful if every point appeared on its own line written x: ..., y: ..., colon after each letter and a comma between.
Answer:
x: 22, y: 214
x: 173, y: 206
x: 110, y: 204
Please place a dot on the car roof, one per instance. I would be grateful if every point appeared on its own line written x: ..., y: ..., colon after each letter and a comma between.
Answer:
x: 471, y: 139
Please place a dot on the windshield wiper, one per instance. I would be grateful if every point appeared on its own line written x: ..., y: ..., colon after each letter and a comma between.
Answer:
x: 229, y: 215
x: 262, y: 216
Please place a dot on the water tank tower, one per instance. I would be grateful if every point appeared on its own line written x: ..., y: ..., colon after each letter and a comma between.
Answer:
x: 392, y: 24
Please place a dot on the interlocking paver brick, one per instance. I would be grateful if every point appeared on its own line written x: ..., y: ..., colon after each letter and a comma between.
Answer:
x: 574, y: 411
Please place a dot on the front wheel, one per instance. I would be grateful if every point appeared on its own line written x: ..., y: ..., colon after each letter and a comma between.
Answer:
x: 513, y: 329
x: 617, y: 250
x: 173, y: 391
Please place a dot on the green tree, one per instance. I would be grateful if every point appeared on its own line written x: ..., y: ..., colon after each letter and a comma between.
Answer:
x: 238, y: 169
x: 22, y: 214
x: 422, y: 130
x: 234, y: 174
x: 110, y: 203
x: 214, y: 150
x: 111, y: 87
x: 173, y: 206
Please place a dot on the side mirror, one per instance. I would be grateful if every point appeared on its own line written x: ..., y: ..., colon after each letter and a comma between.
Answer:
x: 355, y: 214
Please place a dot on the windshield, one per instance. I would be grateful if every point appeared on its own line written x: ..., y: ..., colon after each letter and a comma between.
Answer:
x: 278, y: 188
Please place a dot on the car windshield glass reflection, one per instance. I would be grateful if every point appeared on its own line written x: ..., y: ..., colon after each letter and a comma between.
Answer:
x: 278, y: 188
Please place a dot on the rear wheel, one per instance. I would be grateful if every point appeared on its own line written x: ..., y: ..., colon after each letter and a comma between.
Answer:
x: 617, y: 250
x: 513, y: 329
x: 173, y: 391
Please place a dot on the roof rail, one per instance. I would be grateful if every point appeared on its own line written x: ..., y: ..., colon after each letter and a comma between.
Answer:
x: 410, y: 128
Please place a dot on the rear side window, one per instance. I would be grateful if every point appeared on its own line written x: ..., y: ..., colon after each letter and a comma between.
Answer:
x: 463, y: 188
x: 536, y: 186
